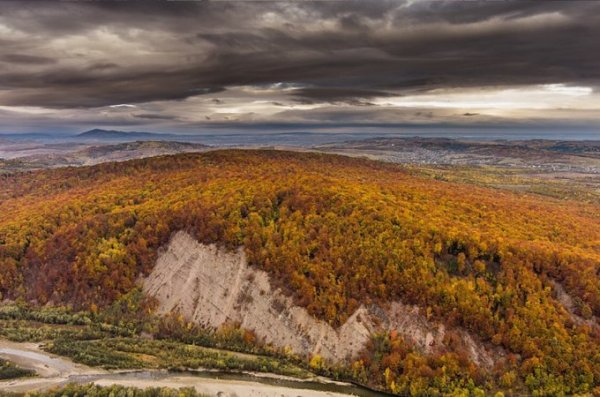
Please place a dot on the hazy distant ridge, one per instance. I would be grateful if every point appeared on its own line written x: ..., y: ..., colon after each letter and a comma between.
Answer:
x: 97, y: 133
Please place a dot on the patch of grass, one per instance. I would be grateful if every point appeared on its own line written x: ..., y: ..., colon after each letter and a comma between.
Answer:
x: 9, y: 370
x: 22, y: 323
x: 94, y: 353
x: 30, y: 331
x: 129, y: 353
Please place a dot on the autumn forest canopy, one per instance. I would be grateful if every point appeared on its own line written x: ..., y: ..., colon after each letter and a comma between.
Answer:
x: 334, y: 233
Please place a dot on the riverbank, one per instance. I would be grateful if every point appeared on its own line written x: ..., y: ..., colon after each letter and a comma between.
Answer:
x: 55, y: 371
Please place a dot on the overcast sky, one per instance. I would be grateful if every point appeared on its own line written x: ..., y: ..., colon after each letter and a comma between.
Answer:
x: 326, y: 66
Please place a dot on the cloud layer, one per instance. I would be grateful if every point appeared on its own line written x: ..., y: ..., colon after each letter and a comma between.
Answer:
x: 192, y: 65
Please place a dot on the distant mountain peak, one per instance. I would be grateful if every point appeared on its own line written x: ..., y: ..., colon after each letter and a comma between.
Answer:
x: 101, y: 132
x: 98, y: 133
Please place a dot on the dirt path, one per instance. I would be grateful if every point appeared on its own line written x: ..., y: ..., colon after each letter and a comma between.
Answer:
x: 54, y: 371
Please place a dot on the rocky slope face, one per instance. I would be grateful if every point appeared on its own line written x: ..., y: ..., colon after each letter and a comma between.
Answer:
x: 211, y: 286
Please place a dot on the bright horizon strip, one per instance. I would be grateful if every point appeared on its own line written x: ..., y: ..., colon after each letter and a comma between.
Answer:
x: 539, y: 97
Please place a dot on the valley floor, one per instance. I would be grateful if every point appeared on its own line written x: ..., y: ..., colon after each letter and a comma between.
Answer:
x: 54, y: 371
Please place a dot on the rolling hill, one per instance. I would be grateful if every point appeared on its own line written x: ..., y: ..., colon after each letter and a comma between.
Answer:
x: 538, y: 154
x: 503, y: 288
x: 94, y: 154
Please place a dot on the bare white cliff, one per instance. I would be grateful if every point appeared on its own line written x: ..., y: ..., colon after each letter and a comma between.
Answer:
x: 211, y: 286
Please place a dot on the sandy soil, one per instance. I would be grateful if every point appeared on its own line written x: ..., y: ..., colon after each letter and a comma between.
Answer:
x: 223, y: 388
x: 568, y: 303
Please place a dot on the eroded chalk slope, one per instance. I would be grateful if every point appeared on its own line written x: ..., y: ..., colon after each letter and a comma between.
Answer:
x: 211, y: 286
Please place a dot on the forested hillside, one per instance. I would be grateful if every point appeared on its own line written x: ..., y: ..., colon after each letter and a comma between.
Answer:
x: 334, y: 233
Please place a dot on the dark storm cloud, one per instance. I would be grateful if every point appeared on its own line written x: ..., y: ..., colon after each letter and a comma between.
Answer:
x: 86, y: 55
x: 150, y: 116
x: 73, y: 88
x: 26, y: 59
